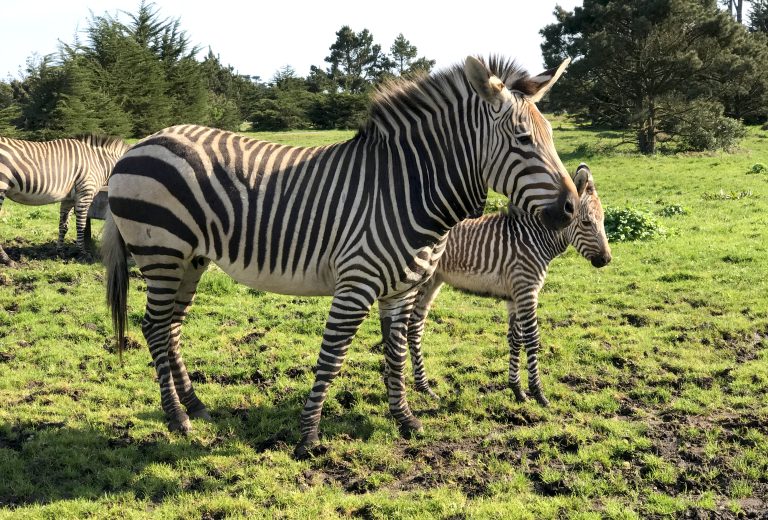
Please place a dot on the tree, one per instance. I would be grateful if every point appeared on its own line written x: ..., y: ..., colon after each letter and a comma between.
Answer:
x: 758, y: 18
x: 639, y: 64
x: 356, y: 62
x: 404, y: 57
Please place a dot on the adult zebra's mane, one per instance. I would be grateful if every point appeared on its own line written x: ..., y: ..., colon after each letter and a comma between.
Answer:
x: 416, y: 94
x: 110, y: 142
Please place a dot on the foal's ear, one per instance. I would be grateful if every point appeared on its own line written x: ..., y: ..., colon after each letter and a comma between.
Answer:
x: 487, y: 86
x: 539, y: 85
x: 581, y: 178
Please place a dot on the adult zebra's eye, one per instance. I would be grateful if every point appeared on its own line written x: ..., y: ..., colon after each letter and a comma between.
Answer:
x: 524, y: 139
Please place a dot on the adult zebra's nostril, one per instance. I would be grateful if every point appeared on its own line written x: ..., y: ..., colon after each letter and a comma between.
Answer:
x: 568, y: 208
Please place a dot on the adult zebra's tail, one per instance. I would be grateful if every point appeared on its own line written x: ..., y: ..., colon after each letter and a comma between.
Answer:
x: 114, y: 258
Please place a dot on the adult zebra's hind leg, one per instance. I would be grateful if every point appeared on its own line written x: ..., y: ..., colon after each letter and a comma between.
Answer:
x: 395, y: 314
x: 349, y: 308
x: 184, y: 297
x: 64, y: 211
x: 164, y: 277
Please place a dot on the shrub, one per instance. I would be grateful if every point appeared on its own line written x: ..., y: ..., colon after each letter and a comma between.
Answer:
x: 626, y: 224
x: 673, y: 209
x: 758, y: 168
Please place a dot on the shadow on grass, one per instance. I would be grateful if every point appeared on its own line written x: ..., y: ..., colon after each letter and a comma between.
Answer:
x: 43, y: 462
x: 22, y: 250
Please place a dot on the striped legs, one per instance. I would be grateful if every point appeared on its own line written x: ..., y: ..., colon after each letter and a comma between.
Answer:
x: 524, y: 331
x: 64, y: 212
x: 163, y: 282
x: 184, y: 296
x: 82, y: 203
x: 4, y: 258
x: 427, y: 294
x: 395, y: 314
x: 348, y: 310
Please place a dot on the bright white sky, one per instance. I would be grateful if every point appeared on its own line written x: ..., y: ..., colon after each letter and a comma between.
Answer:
x: 260, y: 37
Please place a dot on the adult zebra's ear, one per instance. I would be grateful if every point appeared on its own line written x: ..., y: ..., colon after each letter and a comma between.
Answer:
x: 487, y: 86
x: 581, y: 178
x: 537, y: 86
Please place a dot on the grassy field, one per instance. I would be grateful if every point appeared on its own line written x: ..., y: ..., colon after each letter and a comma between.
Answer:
x: 656, y: 367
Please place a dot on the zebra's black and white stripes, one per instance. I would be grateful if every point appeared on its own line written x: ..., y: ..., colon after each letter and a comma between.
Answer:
x: 506, y: 256
x: 362, y: 220
x: 67, y: 170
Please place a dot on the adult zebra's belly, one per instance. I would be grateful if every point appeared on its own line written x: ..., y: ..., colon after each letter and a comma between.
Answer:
x: 319, y: 282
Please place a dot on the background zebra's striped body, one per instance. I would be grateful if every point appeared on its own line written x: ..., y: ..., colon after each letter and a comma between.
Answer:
x: 363, y: 220
x: 506, y: 256
x: 69, y: 171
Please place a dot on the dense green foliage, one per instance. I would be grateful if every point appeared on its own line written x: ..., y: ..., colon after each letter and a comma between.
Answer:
x: 675, y: 74
x: 656, y: 366
x: 626, y: 224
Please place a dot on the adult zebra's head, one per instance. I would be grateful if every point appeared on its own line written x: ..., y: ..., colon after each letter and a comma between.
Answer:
x: 520, y: 160
x: 587, y: 232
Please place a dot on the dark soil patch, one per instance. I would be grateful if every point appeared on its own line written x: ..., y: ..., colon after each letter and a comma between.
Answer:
x: 635, y: 320
x: 584, y: 383
x: 251, y: 337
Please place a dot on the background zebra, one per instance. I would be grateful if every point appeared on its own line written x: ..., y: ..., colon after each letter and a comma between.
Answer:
x: 506, y: 256
x: 69, y: 171
x: 362, y: 220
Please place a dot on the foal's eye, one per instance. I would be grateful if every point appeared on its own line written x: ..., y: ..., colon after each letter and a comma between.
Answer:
x: 524, y: 139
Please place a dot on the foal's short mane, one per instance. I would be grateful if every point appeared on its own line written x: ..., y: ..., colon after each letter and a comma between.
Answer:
x: 110, y: 142
x: 408, y: 94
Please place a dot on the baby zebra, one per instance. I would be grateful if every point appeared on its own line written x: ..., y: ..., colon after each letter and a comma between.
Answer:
x: 69, y: 171
x: 506, y: 256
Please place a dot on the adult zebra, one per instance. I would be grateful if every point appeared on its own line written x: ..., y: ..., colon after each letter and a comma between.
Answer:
x: 506, y: 256
x: 362, y: 220
x: 69, y: 171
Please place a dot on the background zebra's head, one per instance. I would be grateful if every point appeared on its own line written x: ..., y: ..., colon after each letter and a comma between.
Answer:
x: 587, y: 232
x: 520, y: 160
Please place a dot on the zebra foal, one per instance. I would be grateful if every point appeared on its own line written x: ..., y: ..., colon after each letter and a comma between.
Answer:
x: 69, y: 171
x: 363, y: 220
x: 506, y: 256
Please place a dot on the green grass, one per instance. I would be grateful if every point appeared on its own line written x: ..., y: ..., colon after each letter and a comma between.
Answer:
x: 656, y: 367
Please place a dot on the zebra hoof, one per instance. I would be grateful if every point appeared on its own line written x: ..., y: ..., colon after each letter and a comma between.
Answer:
x: 308, y: 448
x: 519, y: 394
x: 85, y: 258
x: 10, y: 264
x: 428, y: 391
x: 180, y: 425
x: 410, y: 428
x: 201, y: 413
x: 543, y: 401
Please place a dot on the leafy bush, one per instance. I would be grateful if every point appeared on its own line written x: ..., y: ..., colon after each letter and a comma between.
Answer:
x: 727, y: 195
x: 700, y: 125
x: 758, y: 168
x: 671, y: 210
x: 626, y: 224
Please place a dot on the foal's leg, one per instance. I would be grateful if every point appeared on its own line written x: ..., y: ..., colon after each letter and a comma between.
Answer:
x: 530, y: 339
x: 349, y: 308
x: 82, y: 203
x: 426, y: 295
x: 514, y: 339
x: 184, y: 296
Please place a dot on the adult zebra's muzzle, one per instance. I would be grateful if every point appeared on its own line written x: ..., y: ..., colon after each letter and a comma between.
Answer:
x: 560, y: 213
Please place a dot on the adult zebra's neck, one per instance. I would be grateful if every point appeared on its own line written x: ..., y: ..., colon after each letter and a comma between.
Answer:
x: 429, y: 130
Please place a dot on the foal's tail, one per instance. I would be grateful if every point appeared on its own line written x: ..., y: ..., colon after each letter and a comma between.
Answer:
x: 114, y: 258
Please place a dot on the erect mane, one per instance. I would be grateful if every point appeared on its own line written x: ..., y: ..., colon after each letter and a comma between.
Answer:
x: 110, y: 142
x: 408, y: 95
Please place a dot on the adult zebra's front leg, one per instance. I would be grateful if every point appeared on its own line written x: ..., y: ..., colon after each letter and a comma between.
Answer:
x: 349, y: 308
x: 426, y: 295
x: 395, y: 314
x: 64, y: 211
x: 4, y: 258
x: 82, y: 203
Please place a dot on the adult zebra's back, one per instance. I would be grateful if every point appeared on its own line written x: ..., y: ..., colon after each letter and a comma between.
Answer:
x: 69, y: 171
x: 362, y: 220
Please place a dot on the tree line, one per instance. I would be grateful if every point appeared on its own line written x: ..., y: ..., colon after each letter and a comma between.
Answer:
x: 672, y: 75
x: 131, y: 77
